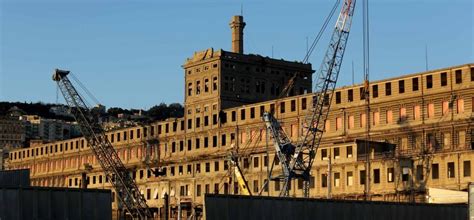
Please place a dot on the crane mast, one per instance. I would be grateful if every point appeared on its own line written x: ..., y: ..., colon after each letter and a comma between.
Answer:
x: 297, y: 159
x: 126, y: 189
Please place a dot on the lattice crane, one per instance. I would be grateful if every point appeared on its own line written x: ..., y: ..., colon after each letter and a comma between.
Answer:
x: 297, y: 158
x: 124, y: 185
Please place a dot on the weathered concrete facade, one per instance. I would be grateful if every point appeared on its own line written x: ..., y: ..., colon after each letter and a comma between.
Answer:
x: 428, y: 116
x: 430, y: 123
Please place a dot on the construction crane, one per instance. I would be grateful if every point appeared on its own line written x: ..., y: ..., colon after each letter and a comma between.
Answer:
x: 297, y: 159
x: 125, y: 187
x: 239, y: 176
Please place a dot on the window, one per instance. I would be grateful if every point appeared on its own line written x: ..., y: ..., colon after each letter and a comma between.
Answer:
x: 282, y: 107
x: 198, y: 168
x: 362, y: 177
x: 388, y: 89
x: 303, y: 104
x: 252, y: 112
x: 349, y: 151
x: 362, y: 93
x: 214, y: 141
x: 324, y: 154
x: 350, y: 178
x: 351, y: 122
x: 255, y: 186
x: 216, y: 166
x: 255, y: 162
x: 242, y: 114
x: 444, y: 79
x: 429, y: 81
x: 336, y: 153
x: 324, y: 180
x: 451, y: 172
x: 207, y: 188
x: 198, y: 143
x: 206, y: 85
x: 376, y: 118
x: 416, y: 112
x: 223, y: 139
x: 431, y: 110
x: 293, y: 105
x: 419, y: 172
x: 198, y: 122
x: 445, y: 108
x: 389, y: 118
x: 390, y: 172
x: 338, y: 123
x: 190, y: 123
x: 233, y: 116
x: 214, y: 83
x: 198, y: 190
x: 376, y: 176
x: 467, y: 168
x: 337, y: 177
x: 350, y: 95
x: 173, y: 147
x: 403, y: 113
x: 190, y: 145
x: 375, y: 91
x: 246, y: 163
x: 401, y: 86
x: 338, y: 97
x: 414, y: 83
x: 277, y: 185
x: 460, y: 106
x: 208, y: 167
x: 435, y: 171
x: 214, y: 119
x: 472, y: 74
x: 458, y: 74
x: 190, y: 89
x: 181, y: 145
x: 363, y: 120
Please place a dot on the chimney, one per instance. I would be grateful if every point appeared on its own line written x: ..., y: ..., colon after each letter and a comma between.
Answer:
x: 237, y: 25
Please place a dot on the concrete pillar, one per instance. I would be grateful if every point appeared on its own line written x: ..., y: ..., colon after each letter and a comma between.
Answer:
x: 237, y: 25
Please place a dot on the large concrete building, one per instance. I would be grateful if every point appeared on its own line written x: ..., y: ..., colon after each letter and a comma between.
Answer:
x: 420, y: 128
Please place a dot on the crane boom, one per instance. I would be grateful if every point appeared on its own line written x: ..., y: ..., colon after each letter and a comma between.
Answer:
x: 298, y: 158
x: 239, y: 176
x: 126, y: 189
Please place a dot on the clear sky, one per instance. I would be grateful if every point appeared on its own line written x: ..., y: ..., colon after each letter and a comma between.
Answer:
x: 129, y: 53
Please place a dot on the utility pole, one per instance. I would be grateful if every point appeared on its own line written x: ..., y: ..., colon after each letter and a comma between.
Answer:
x: 329, y: 175
x: 365, y: 9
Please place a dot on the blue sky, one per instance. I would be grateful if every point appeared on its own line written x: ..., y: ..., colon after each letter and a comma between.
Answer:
x: 129, y: 53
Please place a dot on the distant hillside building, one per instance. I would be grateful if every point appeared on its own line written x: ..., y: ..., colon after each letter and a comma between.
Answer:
x: 12, y: 132
x: 48, y: 129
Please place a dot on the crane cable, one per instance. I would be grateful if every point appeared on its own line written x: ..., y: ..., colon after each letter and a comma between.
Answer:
x: 91, y: 96
x: 320, y: 33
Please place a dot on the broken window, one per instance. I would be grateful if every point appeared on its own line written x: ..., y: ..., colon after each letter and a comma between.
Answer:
x: 375, y: 91
x: 388, y: 89
x: 458, y: 74
x: 429, y: 81
x: 435, y: 171
x: 401, y: 86
x: 451, y: 172
x: 444, y: 79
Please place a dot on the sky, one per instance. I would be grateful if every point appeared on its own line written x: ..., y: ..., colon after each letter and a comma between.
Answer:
x: 129, y: 53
